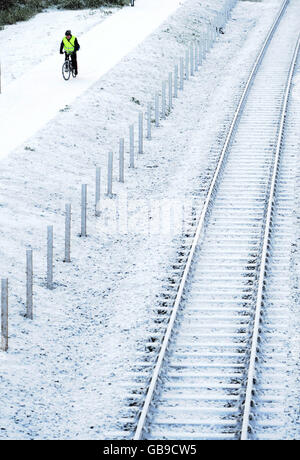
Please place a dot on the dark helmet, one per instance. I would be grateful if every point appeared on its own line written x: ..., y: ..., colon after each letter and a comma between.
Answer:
x: 68, y: 32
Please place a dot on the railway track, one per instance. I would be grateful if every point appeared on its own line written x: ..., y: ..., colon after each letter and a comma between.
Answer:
x: 223, y: 345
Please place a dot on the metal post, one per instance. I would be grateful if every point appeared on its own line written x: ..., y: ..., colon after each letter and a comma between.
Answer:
x: 4, y: 314
x: 83, y: 209
x: 29, y: 284
x: 205, y: 39
x: 181, y: 85
x: 157, y: 109
x: 202, y: 46
x: 109, y: 174
x: 50, y: 257
x: 163, y: 100
x: 176, y: 80
x: 192, y: 59
x: 97, y: 191
x: 141, y: 132
x: 187, y: 71
x: 200, y: 49
x: 68, y: 233
x: 121, y: 160
x: 170, y: 91
x: 131, y: 142
x: 149, y: 121
x: 196, y: 55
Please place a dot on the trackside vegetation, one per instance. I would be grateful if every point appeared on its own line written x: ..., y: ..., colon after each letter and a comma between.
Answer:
x: 12, y: 11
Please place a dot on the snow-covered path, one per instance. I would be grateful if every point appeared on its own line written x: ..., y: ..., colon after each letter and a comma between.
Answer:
x: 33, y: 99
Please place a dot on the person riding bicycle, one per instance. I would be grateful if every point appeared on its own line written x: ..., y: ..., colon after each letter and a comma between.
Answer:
x: 69, y: 46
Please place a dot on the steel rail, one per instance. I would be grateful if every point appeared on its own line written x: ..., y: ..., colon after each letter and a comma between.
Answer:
x: 200, y: 225
x: 246, y: 426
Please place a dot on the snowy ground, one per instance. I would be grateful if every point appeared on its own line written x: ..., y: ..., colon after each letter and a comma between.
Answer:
x: 62, y: 376
x: 25, y: 102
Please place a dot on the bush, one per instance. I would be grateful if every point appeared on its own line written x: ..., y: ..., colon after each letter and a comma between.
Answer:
x: 18, y: 11
x: 5, y: 4
x: 12, y: 11
x: 72, y: 4
x: 78, y: 4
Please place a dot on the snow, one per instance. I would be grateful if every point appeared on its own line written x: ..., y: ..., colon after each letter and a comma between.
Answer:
x: 66, y: 372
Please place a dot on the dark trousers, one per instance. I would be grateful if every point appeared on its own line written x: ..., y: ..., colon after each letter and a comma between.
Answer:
x: 74, y: 60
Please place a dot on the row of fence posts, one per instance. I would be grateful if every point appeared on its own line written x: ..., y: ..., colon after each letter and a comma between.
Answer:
x: 186, y: 68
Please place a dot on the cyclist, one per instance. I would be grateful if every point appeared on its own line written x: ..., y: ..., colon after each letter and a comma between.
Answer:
x: 70, y: 45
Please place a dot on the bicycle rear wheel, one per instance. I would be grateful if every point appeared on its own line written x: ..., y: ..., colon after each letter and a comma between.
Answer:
x: 66, y: 70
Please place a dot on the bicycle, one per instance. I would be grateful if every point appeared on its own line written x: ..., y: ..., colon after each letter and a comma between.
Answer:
x: 67, y: 68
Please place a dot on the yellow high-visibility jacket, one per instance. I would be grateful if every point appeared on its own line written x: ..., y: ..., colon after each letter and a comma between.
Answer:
x: 69, y: 45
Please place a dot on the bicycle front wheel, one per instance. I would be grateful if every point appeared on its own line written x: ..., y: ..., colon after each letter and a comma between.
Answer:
x: 66, y: 70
